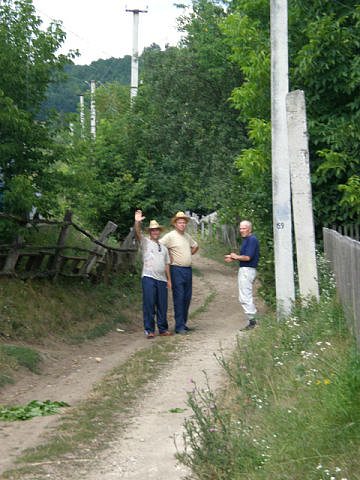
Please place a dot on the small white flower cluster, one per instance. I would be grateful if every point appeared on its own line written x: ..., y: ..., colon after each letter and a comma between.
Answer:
x: 331, y: 475
x: 259, y: 402
x: 308, y: 355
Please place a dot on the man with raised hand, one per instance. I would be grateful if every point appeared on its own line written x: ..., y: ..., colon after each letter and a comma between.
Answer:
x: 181, y: 248
x: 155, y: 277
x: 248, y: 262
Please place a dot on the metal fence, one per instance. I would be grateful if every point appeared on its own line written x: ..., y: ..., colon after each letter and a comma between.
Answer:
x: 344, y: 255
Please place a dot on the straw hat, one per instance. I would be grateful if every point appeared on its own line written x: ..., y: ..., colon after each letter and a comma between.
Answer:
x: 178, y: 216
x: 154, y: 224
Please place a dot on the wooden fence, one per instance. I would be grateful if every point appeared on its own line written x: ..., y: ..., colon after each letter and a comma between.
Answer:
x: 98, y: 262
x: 343, y: 254
x: 352, y: 231
x: 209, y: 228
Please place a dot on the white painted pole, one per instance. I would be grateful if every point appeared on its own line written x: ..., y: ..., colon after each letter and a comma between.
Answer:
x: 135, y: 57
x: 135, y: 52
x: 284, y: 268
x: 301, y: 195
x: 82, y: 115
x: 92, y: 109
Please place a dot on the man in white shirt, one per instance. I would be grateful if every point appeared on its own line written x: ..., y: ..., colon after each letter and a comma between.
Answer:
x: 155, y: 277
x: 181, y: 248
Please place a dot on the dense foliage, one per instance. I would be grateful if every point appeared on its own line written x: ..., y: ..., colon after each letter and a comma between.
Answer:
x: 324, y: 62
x: 197, y: 136
x: 27, y: 65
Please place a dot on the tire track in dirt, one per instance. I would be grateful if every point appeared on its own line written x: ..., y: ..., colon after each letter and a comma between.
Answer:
x: 146, y: 449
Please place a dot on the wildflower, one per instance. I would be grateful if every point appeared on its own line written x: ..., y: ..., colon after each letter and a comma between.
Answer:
x: 212, y: 429
x: 337, y: 469
x: 327, y: 381
x: 319, y: 467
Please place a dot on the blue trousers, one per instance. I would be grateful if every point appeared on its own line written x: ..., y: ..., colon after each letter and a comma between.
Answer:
x: 155, y: 301
x: 181, y: 279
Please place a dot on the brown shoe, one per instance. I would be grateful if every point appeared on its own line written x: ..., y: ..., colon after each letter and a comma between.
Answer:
x: 165, y: 334
x: 150, y: 335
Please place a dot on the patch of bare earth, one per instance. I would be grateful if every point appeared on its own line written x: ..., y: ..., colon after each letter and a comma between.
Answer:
x: 146, y: 448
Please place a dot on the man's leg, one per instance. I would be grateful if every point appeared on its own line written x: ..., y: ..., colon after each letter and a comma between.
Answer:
x: 149, y: 295
x: 246, y: 277
x: 162, y: 305
x: 187, y: 272
x: 178, y: 297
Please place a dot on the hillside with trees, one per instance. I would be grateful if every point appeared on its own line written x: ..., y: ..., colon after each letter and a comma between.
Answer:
x: 63, y: 95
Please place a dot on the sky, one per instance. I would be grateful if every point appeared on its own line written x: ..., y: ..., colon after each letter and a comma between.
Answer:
x: 103, y: 28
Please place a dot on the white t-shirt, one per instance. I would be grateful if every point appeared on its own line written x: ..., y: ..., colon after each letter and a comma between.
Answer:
x: 155, y: 258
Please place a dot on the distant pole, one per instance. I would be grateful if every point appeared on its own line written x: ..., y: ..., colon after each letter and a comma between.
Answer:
x: 301, y: 195
x: 135, y: 52
x: 284, y: 268
x: 82, y: 115
x: 92, y: 109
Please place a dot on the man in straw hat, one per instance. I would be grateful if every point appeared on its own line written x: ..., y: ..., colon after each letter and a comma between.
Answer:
x: 155, y: 277
x: 181, y: 247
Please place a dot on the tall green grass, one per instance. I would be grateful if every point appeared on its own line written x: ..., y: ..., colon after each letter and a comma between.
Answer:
x: 292, y: 407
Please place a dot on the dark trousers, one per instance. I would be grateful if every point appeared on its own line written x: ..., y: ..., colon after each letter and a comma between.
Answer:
x: 181, y: 279
x: 155, y: 301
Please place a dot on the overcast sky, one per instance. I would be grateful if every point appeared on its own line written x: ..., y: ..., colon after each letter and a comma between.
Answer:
x: 103, y: 29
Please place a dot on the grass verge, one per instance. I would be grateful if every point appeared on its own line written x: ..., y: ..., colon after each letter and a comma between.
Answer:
x: 92, y: 424
x: 292, y: 407
x: 12, y: 357
x: 68, y: 308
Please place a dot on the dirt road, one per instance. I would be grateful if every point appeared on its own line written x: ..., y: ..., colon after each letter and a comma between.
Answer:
x: 147, y: 447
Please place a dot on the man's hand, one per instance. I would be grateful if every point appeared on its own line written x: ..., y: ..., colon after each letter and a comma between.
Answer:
x: 139, y: 216
x: 228, y: 258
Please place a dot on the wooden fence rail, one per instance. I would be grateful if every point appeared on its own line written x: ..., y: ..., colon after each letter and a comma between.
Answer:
x: 31, y: 261
x: 343, y: 254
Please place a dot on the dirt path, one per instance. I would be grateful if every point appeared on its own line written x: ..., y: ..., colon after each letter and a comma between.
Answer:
x: 146, y: 449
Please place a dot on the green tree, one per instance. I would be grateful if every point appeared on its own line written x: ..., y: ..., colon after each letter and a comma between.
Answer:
x: 28, y: 63
x: 324, y: 62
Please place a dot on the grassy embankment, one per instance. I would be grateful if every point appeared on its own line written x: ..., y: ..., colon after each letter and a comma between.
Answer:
x: 292, y: 406
x: 67, y: 310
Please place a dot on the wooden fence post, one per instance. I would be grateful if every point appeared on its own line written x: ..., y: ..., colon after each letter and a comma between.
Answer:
x: 13, y: 256
x: 55, y: 262
x: 110, y: 227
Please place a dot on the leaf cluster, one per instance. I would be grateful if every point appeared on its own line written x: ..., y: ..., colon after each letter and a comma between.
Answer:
x: 35, y: 408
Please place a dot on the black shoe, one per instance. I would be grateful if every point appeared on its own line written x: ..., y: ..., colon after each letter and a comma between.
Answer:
x: 181, y: 332
x: 251, y: 325
x: 188, y: 329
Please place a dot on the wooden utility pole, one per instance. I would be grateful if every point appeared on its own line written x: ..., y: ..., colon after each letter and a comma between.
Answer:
x: 284, y: 268
x: 135, y: 52
x: 301, y: 195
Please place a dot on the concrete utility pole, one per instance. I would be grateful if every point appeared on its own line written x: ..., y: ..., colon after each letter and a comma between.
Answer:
x: 301, y: 194
x: 284, y: 268
x: 135, y: 53
x: 92, y: 109
x: 82, y: 115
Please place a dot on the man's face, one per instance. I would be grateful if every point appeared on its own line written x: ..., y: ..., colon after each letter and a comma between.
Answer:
x: 244, y: 230
x: 154, y: 233
x: 180, y: 225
